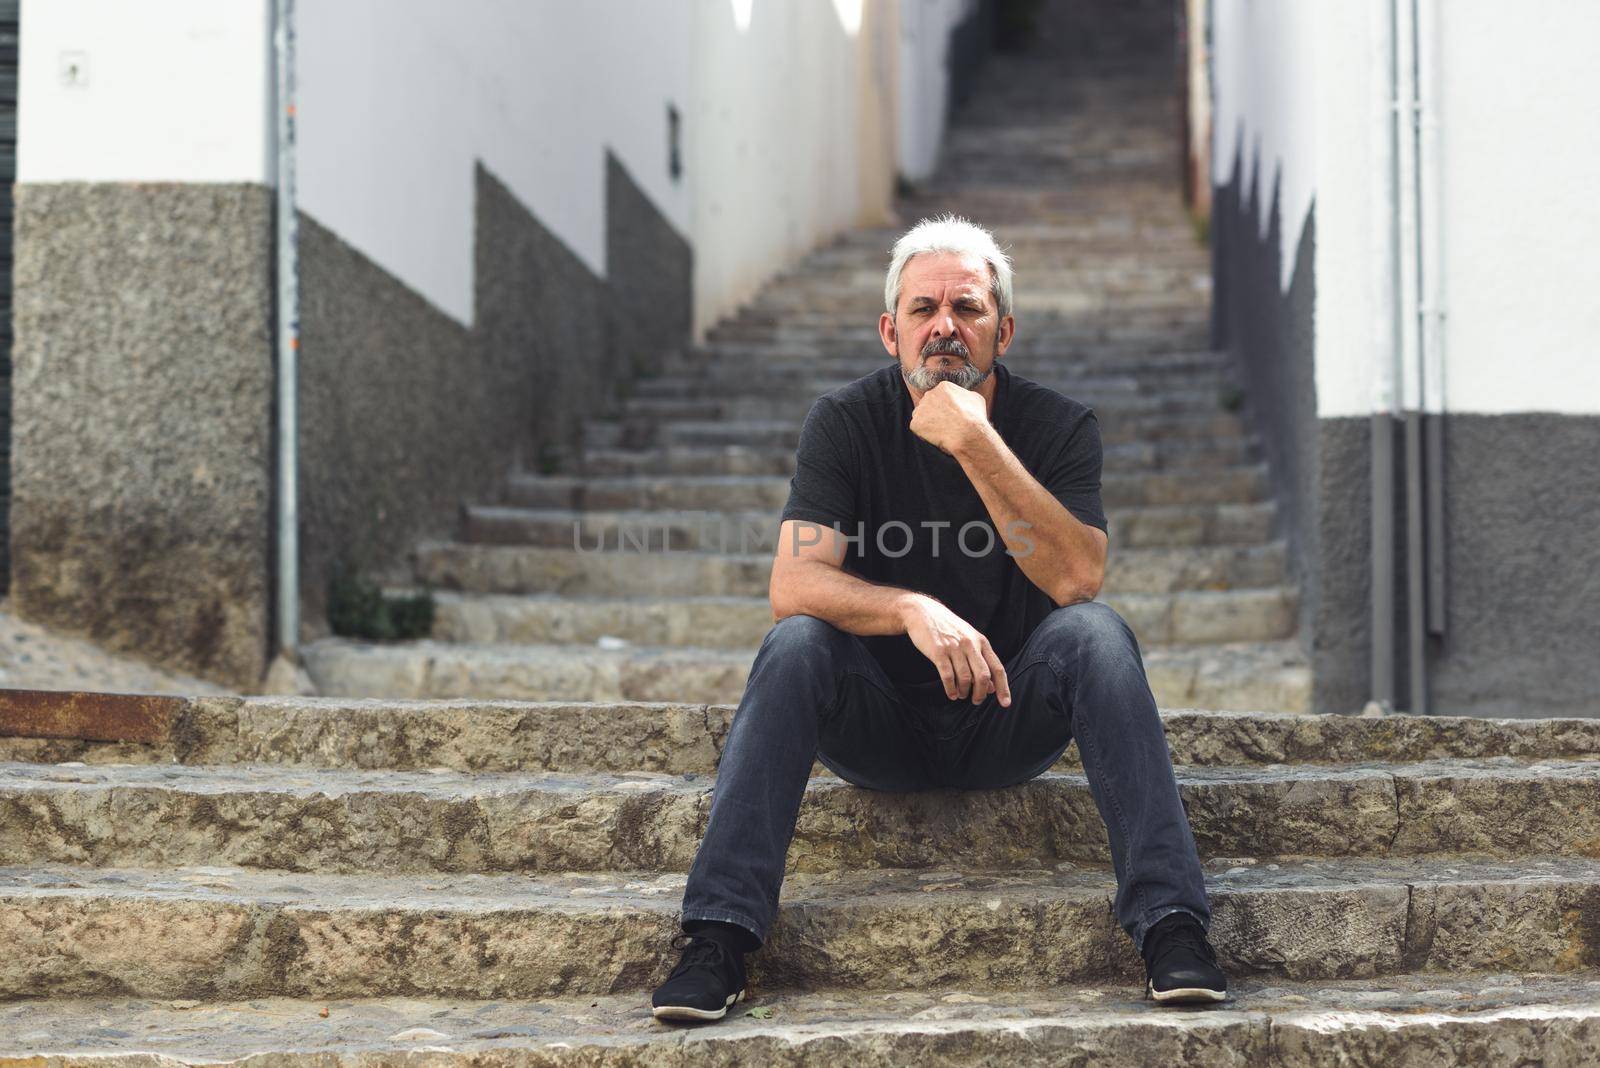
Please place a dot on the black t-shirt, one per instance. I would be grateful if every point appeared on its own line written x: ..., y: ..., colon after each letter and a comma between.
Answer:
x: 861, y: 468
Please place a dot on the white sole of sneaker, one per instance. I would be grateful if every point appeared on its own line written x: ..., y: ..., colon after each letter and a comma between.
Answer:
x: 1182, y: 995
x: 685, y: 1012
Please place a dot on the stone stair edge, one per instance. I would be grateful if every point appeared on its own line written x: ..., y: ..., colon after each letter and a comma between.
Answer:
x: 436, y: 820
x: 1282, y: 1022
x: 218, y: 933
x: 673, y: 735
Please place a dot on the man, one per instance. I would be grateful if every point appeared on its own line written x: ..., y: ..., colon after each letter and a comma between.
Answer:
x: 935, y: 626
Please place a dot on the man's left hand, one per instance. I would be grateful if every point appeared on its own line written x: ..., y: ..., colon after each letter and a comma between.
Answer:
x: 950, y: 417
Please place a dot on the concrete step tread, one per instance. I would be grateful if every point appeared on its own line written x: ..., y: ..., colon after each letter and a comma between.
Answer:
x: 1275, y: 547
x: 1535, y: 1015
x: 217, y: 933
x: 19, y: 777
x: 1245, y: 613
x: 1240, y: 675
x: 1280, y: 653
x: 342, y: 820
x: 470, y: 734
x: 661, y: 892
x: 738, y: 601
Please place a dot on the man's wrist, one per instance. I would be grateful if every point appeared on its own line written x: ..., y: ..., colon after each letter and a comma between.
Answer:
x: 980, y: 439
x: 904, y: 605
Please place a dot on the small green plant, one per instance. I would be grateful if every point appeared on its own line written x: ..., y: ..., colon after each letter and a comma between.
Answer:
x: 359, y: 609
x: 1231, y: 398
x: 548, y: 462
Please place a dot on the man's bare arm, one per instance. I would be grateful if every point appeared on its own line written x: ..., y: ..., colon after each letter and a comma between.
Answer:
x: 1064, y: 557
x: 808, y: 579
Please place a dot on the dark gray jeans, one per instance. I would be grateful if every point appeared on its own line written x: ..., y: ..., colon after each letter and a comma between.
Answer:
x: 815, y: 691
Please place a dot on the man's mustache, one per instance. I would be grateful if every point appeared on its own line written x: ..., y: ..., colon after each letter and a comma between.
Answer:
x: 946, y: 346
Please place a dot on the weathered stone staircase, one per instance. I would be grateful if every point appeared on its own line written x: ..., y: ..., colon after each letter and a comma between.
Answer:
x: 495, y: 882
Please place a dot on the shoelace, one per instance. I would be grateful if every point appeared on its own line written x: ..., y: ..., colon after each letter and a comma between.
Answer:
x: 1184, y: 936
x: 698, y: 952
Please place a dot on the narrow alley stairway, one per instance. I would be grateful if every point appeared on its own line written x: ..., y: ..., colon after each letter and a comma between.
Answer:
x: 360, y: 880
x: 565, y: 589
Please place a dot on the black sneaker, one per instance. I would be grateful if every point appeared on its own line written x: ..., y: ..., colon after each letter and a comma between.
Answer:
x: 709, y: 978
x: 1180, y: 965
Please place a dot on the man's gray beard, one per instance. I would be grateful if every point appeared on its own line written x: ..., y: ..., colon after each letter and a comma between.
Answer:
x: 966, y: 376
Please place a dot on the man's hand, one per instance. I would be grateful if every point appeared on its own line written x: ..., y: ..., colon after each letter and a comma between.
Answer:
x: 965, y: 661
x: 949, y: 416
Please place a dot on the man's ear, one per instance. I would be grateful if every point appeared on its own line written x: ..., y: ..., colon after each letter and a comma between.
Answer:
x: 1008, y: 330
x: 889, y: 335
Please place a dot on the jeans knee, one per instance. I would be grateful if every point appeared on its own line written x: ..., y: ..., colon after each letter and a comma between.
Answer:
x: 801, y: 640
x: 1091, y: 631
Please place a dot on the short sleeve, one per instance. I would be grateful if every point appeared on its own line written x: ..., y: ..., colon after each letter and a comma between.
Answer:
x: 1072, y: 475
x: 823, y: 489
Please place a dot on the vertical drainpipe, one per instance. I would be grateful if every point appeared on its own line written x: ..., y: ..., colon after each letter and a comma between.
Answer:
x: 288, y: 345
x: 1432, y: 310
x: 1406, y: 303
x: 1385, y: 347
x: 1419, y: 313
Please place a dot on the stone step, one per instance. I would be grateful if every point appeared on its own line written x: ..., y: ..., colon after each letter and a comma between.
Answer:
x: 219, y: 933
x: 608, y: 573
x: 728, y: 362
x: 1188, y: 617
x: 767, y: 433
x: 672, y: 738
x: 1237, y: 675
x: 742, y: 460
x: 268, y: 816
x: 1392, y: 1020
x: 550, y: 499
x: 753, y: 405
x: 792, y: 376
x: 681, y: 499
x: 1109, y: 338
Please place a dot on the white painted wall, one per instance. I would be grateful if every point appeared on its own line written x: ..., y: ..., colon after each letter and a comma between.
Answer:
x: 1353, y: 262
x: 1521, y: 214
x: 790, y: 128
x: 1519, y: 217
x: 924, y: 64
x: 1264, y: 56
x: 399, y: 98
x: 170, y: 91
x: 774, y: 153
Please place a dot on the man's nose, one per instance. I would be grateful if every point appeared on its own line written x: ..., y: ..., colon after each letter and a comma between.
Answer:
x: 944, y: 323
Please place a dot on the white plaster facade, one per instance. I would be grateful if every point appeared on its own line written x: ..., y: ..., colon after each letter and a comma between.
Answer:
x: 795, y: 117
x: 1305, y: 86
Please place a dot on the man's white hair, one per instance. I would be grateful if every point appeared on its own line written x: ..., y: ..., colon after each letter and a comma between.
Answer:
x: 950, y: 233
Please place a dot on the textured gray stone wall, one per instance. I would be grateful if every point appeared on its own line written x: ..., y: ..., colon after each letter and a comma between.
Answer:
x: 142, y: 419
x: 144, y: 399
x: 407, y: 414
x: 650, y: 270
x: 1270, y: 334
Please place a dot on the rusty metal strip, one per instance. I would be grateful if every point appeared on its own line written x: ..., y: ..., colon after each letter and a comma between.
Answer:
x: 96, y: 717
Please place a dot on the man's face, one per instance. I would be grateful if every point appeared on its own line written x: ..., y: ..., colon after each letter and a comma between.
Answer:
x: 946, y: 326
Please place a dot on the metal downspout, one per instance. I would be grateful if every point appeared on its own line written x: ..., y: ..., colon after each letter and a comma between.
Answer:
x: 1432, y: 312
x: 288, y: 343
x: 1418, y: 299
x: 1407, y: 301
x: 1385, y: 347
